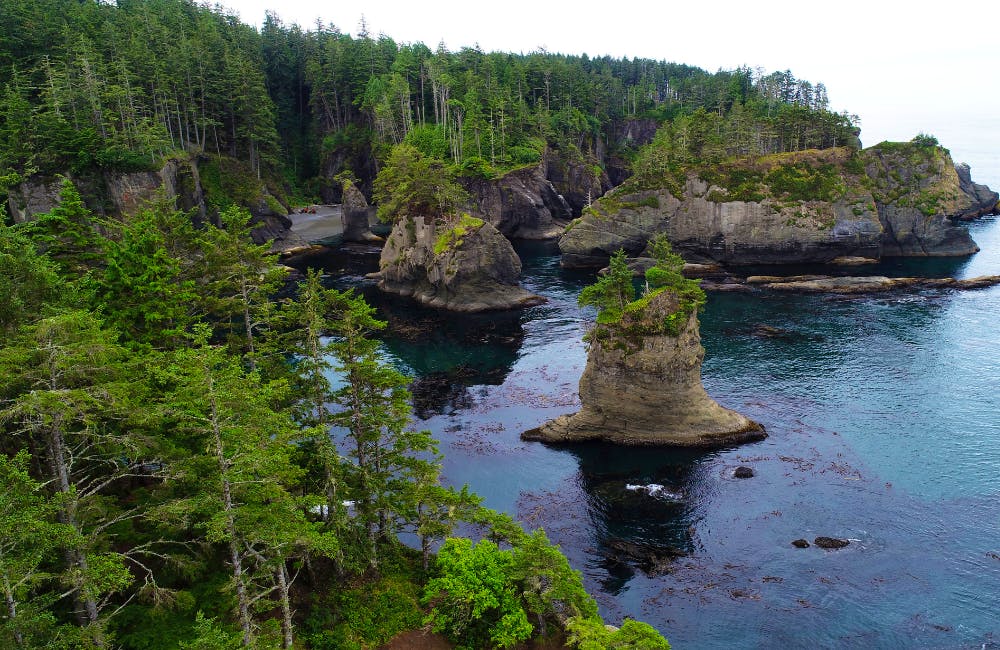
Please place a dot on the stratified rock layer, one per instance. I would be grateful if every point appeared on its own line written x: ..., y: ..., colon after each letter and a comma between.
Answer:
x: 646, y: 390
x: 476, y: 270
x: 889, y: 200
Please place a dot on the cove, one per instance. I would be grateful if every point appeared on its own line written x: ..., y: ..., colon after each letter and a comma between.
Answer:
x: 882, y: 413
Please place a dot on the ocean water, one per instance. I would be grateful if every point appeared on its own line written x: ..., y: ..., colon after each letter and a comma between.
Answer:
x: 883, y: 415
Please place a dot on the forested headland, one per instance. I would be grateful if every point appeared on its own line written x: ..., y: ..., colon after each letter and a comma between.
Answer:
x: 167, y: 393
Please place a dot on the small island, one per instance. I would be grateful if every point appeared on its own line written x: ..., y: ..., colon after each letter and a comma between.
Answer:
x: 439, y: 255
x: 642, y: 384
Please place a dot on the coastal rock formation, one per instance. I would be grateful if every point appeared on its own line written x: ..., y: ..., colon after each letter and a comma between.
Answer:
x: 577, y: 178
x: 121, y: 193
x: 464, y: 265
x: 521, y: 204
x: 865, y: 283
x: 642, y: 386
x: 804, y: 207
x: 982, y: 199
x: 918, y: 192
x: 356, y: 215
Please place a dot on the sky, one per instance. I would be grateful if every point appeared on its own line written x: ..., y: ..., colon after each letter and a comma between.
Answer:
x: 902, y: 67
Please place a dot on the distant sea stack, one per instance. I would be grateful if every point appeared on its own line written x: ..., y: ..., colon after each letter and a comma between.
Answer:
x: 355, y: 213
x: 642, y: 386
x: 814, y: 206
x: 460, y: 264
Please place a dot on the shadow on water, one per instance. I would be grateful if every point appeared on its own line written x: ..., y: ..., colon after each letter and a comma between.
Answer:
x: 638, y: 506
x: 445, y: 352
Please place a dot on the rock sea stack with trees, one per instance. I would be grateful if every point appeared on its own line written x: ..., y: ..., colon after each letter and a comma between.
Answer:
x: 642, y: 384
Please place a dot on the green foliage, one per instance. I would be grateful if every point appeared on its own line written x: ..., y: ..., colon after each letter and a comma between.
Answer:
x: 412, y: 184
x: 28, y: 535
x: 925, y: 140
x: 591, y: 634
x: 473, y: 598
x: 67, y: 234
x: 551, y: 589
x: 615, y: 299
x: 804, y: 182
x: 144, y: 285
x: 27, y: 280
x: 612, y: 291
x: 452, y: 236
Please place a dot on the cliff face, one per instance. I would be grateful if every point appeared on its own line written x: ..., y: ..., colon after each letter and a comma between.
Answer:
x: 811, y: 206
x: 461, y: 266
x: 120, y: 193
x: 918, y: 192
x: 521, y: 204
x: 646, y: 389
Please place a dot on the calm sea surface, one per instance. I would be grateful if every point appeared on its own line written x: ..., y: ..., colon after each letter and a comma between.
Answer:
x: 884, y: 422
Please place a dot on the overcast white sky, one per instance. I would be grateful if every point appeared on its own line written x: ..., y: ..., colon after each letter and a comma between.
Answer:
x: 903, y: 67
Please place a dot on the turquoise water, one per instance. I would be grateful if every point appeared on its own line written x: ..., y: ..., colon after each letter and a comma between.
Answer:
x: 884, y: 422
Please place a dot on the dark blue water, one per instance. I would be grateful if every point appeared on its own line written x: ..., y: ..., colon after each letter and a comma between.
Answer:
x: 884, y: 422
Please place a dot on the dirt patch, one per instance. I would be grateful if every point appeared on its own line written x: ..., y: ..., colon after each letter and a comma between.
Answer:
x: 418, y: 640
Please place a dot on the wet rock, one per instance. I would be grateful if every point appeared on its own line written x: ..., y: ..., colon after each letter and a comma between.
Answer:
x: 653, y: 560
x: 982, y: 200
x: 865, y: 284
x: 830, y: 542
x: 522, y: 204
x: 743, y: 472
x: 800, y: 543
x: 769, y: 332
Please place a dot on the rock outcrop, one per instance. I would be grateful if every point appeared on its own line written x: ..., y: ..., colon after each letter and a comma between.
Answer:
x: 982, y: 199
x: 356, y: 216
x: 521, y: 204
x: 464, y: 265
x: 804, y: 207
x: 642, y: 386
x: 120, y: 193
x: 579, y: 179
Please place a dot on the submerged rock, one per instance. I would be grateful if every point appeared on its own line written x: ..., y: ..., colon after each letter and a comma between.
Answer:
x: 464, y: 265
x: 800, y: 543
x: 642, y: 386
x: 830, y: 543
x: 743, y: 472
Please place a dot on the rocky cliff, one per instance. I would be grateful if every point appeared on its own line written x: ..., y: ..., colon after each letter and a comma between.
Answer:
x: 521, y: 204
x: 119, y: 193
x: 461, y: 265
x: 642, y: 386
x: 810, y: 206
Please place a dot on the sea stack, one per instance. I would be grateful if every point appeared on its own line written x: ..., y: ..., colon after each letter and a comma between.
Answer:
x: 642, y: 385
x: 461, y: 264
x: 355, y: 215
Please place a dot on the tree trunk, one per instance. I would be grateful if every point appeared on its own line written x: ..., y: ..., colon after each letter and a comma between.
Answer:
x: 228, y: 508
x: 281, y: 576
x: 8, y: 593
